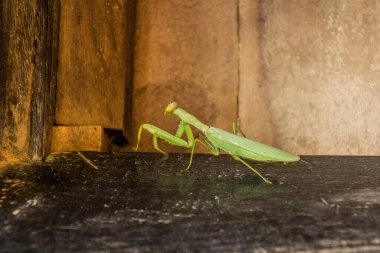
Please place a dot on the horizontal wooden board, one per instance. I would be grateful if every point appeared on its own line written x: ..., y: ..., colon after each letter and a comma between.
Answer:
x: 139, y: 203
x: 78, y: 138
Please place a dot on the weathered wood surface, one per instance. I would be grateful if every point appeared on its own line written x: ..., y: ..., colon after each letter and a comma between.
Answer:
x: 28, y: 58
x: 139, y: 203
x: 96, y: 44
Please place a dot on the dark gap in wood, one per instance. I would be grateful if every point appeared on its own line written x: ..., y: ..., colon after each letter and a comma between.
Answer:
x: 238, y: 62
x: 45, y: 76
x: 130, y: 55
x: 3, y: 63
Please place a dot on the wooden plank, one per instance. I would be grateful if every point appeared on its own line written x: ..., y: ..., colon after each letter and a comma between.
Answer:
x: 186, y: 51
x: 78, y: 138
x: 28, y: 75
x: 92, y: 77
x: 138, y: 203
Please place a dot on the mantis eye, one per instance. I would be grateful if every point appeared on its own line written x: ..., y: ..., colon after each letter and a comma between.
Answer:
x: 171, y: 107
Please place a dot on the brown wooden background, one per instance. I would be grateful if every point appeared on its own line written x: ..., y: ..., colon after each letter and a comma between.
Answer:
x: 301, y: 75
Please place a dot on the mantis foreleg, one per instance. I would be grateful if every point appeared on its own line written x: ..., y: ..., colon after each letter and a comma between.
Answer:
x: 168, y: 137
x: 181, y: 129
x: 255, y: 171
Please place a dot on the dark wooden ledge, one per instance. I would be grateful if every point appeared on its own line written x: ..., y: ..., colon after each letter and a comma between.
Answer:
x: 139, y: 203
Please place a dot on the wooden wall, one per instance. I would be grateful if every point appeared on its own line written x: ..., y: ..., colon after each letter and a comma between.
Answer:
x: 301, y: 76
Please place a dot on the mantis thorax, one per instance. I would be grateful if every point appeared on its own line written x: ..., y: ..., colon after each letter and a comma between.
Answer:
x: 190, y: 119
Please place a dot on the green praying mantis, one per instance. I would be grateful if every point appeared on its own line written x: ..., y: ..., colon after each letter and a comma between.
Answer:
x: 215, y: 139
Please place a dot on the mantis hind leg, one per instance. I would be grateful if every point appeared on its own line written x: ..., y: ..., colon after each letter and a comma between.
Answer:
x: 236, y: 129
x: 213, y: 149
x: 249, y: 166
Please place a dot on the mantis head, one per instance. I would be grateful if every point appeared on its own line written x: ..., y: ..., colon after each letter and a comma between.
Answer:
x: 171, y: 108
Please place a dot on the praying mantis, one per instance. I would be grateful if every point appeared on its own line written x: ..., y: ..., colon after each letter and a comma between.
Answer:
x: 215, y: 139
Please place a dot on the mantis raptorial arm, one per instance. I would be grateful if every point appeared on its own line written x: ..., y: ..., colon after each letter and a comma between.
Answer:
x: 168, y: 137
x: 180, y: 129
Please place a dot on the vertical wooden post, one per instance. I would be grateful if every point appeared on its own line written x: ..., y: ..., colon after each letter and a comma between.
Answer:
x: 28, y: 46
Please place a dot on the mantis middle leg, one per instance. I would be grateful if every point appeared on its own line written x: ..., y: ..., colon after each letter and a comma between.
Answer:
x: 202, y: 140
x: 156, y: 147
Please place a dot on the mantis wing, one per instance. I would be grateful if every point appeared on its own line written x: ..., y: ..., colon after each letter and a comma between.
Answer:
x: 243, y: 147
